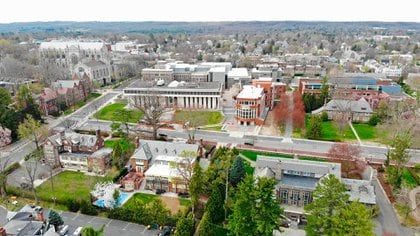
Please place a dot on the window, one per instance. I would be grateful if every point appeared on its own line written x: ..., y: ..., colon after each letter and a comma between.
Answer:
x: 295, y: 197
x: 284, y: 196
x: 307, y: 198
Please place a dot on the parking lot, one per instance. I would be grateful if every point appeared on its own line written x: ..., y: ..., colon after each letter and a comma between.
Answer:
x: 112, y: 227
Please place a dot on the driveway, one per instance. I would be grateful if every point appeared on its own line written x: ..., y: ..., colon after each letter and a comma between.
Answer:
x: 112, y: 227
x: 387, y: 221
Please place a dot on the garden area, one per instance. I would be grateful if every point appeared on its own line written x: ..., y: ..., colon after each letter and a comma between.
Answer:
x: 117, y: 112
x: 172, y: 203
x: 198, y: 118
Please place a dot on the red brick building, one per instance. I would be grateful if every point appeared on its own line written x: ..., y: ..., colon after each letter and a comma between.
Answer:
x: 250, y: 107
x: 272, y: 89
x: 48, y: 101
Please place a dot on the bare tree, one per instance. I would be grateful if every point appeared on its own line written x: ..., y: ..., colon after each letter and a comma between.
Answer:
x: 185, y: 165
x: 31, y: 167
x: 4, y: 163
x: 152, y: 108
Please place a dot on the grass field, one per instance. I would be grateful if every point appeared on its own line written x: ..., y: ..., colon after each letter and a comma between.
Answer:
x: 248, y: 168
x: 365, y: 131
x: 69, y: 185
x: 253, y: 155
x: 198, y: 118
x: 113, y: 112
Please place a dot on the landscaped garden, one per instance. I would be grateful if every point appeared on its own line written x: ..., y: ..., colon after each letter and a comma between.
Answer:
x: 198, y: 118
x: 172, y: 203
x: 117, y: 112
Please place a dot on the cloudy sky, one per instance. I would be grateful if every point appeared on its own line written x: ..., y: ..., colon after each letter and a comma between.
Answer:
x: 210, y: 10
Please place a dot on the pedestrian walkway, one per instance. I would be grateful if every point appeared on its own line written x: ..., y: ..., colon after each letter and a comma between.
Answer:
x: 355, y: 133
x: 288, y: 131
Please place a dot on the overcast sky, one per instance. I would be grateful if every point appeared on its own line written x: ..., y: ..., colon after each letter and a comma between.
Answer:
x: 210, y: 10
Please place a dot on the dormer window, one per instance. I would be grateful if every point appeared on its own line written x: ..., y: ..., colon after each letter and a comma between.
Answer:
x: 363, y: 108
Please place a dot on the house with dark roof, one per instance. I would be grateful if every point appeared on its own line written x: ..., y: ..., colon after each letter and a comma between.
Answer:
x: 66, y: 143
x: 297, y: 179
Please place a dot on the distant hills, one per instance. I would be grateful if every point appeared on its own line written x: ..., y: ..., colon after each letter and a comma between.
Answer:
x: 200, y: 27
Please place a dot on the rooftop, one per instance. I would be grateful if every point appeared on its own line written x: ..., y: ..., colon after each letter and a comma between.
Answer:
x: 62, y: 45
x: 360, y: 190
x: 150, y: 149
x: 138, y: 84
x: 238, y: 72
x: 251, y: 92
x: 298, y: 181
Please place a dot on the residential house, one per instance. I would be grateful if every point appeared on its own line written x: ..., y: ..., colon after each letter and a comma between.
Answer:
x: 48, y: 101
x: 351, y: 110
x: 156, y: 162
x: 71, y: 142
x: 297, y: 179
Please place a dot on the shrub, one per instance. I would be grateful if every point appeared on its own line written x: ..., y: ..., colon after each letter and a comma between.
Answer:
x: 374, y: 120
x: 87, y: 208
x: 73, y: 205
x: 324, y: 116
x: 12, y: 168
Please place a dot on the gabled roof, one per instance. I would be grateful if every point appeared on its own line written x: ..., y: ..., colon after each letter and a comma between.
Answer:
x: 74, y: 138
x: 66, y: 83
x: 150, y: 149
x: 360, y: 106
x: 48, y: 94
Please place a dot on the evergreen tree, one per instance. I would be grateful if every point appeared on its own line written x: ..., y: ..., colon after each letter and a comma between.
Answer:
x: 324, y: 92
x: 329, y: 213
x: 237, y: 171
x: 197, y: 183
x: 5, y: 98
x: 400, y: 155
x: 185, y: 225
x: 314, y: 129
x: 205, y: 228
x: 24, y: 97
x: 158, y: 213
x: 55, y: 219
x: 215, y: 205
x: 117, y: 155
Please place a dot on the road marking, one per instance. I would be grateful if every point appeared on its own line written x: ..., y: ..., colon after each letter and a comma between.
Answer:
x: 108, y: 223
x: 126, y: 226
x: 75, y: 216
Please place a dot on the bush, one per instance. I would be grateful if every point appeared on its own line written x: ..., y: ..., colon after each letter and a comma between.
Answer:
x: 374, y: 120
x: 324, y: 116
x: 87, y: 208
x: 73, y: 205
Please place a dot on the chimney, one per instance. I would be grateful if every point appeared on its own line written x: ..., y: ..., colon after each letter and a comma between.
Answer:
x: 40, y: 216
x: 98, y: 134
x: 2, y: 231
x: 136, y: 142
x: 63, y: 134
x: 277, y: 171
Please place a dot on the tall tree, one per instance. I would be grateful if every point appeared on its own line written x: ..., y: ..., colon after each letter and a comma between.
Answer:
x: 205, y: 228
x: 55, y: 219
x: 158, y: 212
x: 4, y: 172
x: 185, y: 166
x: 298, y: 113
x: 31, y: 167
x: 329, y: 210
x: 24, y: 97
x: 237, y: 171
x: 31, y: 128
x: 255, y: 210
x: 314, y: 129
x: 215, y: 205
x: 400, y: 155
x: 117, y: 155
x: 324, y: 92
x: 196, y: 185
x: 152, y: 109
x: 355, y: 219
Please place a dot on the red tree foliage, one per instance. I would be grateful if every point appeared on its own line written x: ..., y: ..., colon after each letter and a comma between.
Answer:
x: 344, y: 151
x: 281, y: 110
x: 298, y: 113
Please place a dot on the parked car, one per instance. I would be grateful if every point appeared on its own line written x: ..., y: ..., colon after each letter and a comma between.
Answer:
x: 153, y: 226
x: 78, y: 231
x: 183, y: 195
x: 160, y: 191
x: 165, y: 231
x: 64, y: 230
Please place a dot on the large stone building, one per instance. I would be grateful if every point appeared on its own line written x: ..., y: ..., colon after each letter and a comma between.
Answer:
x: 96, y: 70
x: 297, y: 179
x: 184, y: 95
x: 250, y: 108
x: 68, y: 53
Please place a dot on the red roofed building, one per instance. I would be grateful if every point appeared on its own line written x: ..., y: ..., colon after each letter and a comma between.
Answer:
x: 48, y: 101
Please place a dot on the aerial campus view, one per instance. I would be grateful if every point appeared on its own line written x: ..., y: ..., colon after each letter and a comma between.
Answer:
x: 221, y: 118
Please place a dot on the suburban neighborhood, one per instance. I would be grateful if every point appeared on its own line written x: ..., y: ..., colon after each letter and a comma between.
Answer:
x: 198, y: 128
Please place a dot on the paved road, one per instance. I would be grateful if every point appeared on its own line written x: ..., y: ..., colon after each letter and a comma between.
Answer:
x: 80, y: 116
x: 3, y: 216
x: 387, y: 221
x: 112, y: 227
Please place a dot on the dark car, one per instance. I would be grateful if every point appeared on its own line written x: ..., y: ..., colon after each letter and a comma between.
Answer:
x: 183, y: 195
x: 166, y: 231
x: 160, y: 191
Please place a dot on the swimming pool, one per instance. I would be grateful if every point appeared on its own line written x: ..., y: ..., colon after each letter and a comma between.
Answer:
x: 120, y: 201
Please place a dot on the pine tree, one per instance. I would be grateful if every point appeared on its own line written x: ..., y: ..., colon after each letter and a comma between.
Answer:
x: 55, y: 219
x: 314, y: 129
x: 205, y: 227
x: 185, y: 225
x: 196, y: 185
x: 237, y: 171
x: 214, y: 206
x: 117, y: 155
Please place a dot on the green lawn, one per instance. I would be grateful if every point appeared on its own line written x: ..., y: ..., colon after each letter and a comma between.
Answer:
x: 330, y: 132
x: 312, y: 159
x: 253, y: 155
x: 113, y: 112
x: 145, y: 198
x: 365, y: 131
x: 69, y: 185
x: 198, y: 118
x: 409, y: 179
x: 109, y: 143
x: 184, y: 202
x: 214, y: 128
